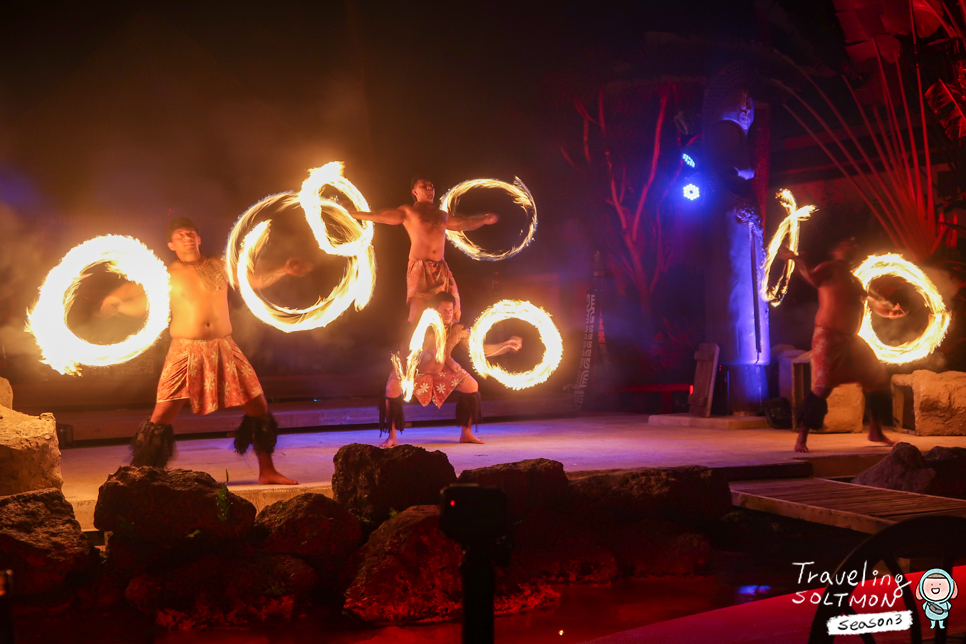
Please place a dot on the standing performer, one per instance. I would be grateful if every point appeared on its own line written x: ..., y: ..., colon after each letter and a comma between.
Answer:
x: 427, y: 273
x: 436, y: 381
x: 839, y: 355
x: 204, y: 365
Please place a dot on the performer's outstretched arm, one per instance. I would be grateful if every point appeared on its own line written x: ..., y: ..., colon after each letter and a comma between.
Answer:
x: 883, y: 307
x: 295, y: 267
x: 128, y: 299
x: 514, y: 344
x: 456, y: 222
x: 392, y: 216
x: 814, y: 276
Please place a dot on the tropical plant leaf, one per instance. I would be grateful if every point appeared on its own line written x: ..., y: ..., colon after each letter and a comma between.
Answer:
x: 948, y: 107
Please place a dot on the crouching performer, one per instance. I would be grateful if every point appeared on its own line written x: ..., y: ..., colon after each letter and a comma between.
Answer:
x: 435, y: 381
x: 839, y: 355
x: 204, y: 365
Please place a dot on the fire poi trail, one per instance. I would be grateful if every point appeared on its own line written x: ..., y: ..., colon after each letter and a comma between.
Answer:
x: 790, y: 227
x: 504, y: 310
x: 521, y: 196
x: 891, y: 264
x: 407, y: 374
x: 128, y: 257
x: 359, y: 280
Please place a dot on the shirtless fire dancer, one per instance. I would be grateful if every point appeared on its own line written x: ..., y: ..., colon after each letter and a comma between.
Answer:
x: 839, y: 355
x: 204, y: 365
x: 436, y: 381
x: 427, y: 273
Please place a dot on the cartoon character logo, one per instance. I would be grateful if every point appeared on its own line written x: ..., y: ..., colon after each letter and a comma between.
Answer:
x: 936, y: 589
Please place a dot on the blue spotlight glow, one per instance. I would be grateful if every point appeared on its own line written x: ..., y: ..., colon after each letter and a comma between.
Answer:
x: 688, y: 160
x: 691, y: 192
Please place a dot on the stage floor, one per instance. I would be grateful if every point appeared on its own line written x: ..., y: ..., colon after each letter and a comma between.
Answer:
x: 588, y: 442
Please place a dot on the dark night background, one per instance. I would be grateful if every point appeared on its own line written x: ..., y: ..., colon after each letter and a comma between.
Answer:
x: 113, y: 115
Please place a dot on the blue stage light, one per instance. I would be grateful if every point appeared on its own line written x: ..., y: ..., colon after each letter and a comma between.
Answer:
x: 687, y: 159
x: 691, y: 192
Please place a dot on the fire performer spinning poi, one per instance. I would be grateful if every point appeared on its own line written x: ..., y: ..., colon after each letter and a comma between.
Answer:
x: 839, y: 355
x: 427, y: 273
x: 436, y: 381
x: 204, y: 365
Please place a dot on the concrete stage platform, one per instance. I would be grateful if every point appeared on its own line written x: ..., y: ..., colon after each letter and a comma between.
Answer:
x: 589, y: 442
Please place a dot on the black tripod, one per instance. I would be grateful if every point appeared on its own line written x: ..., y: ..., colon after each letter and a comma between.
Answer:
x: 476, y: 518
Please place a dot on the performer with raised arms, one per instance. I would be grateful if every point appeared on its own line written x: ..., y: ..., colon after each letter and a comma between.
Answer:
x: 204, y: 365
x: 839, y: 355
x: 427, y: 273
x: 436, y: 381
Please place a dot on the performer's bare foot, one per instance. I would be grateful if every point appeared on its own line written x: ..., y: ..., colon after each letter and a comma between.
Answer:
x: 466, y: 436
x: 274, y: 477
x: 267, y: 474
x: 876, y: 436
x: 391, y: 441
x: 800, y: 445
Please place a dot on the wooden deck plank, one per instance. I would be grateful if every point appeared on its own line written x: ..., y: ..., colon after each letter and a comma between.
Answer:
x: 844, y: 505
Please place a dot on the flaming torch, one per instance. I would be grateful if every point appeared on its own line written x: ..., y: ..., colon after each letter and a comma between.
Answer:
x: 891, y: 264
x: 504, y: 310
x: 521, y: 196
x: 359, y: 280
x: 788, y: 228
x: 59, y: 346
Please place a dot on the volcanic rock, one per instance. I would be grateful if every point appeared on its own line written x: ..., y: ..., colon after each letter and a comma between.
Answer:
x: 312, y: 527
x: 373, y: 482
x: 949, y: 464
x: 901, y: 469
x: 223, y: 592
x: 29, y: 452
x: 6, y: 394
x: 529, y: 485
x: 690, y: 494
x: 654, y: 547
x: 42, y: 542
x: 151, y: 505
x: 555, y: 549
x: 408, y: 572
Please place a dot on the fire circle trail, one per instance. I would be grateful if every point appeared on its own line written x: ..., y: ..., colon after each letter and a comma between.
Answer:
x: 504, y: 310
x: 359, y: 280
x: 521, y: 196
x: 128, y: 257
x: 891, y: 264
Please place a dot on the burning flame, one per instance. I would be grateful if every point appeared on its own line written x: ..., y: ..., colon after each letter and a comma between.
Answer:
x: 879, y: 265
x: 128, y: 257
x: 359, y: 280
x: 521, y: 196
x: 506, y: 309
x: 790, y: 228
x: 407, y: 374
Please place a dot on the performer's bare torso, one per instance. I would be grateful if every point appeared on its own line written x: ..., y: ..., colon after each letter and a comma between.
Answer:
x: 841, y: 297
x: 199, y: 300
x: 426, y: 225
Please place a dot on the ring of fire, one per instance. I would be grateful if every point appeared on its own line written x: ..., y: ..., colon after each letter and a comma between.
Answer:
x: 356, y: 285
x: 521, y: 196
x: 504, y: 310
x: 891, y: 264
x: 128, y: 257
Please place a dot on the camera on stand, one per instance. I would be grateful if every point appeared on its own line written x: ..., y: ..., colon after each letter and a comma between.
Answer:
x: 476, y: 517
